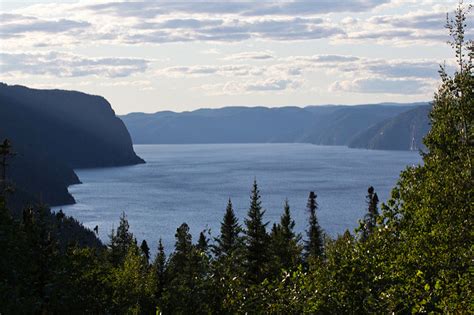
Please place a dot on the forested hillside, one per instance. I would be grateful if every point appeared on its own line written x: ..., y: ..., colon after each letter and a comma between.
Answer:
x: 402, y: 132
x: 324, y: 125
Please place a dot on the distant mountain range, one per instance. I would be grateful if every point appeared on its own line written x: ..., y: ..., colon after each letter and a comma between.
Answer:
x: 387, y: 126
x: 55, y: 131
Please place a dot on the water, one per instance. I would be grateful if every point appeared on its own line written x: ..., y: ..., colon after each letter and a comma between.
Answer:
x: 192, y: 183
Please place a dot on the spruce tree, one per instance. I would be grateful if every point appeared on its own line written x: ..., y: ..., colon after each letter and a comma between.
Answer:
x: 229, y: 239
x: 256, y: 239
x: 285, y: 247
x: 186, y: 285
x: 120, y: 241
x: 314, y: 243
x: 367, y: 226
x: 159, y: 268
x: 145, y: 250
x: 6, y: 152
x: 202, y: 244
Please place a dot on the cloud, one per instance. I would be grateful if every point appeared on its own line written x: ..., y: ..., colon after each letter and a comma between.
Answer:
x: 135, y: 23
x: 142, y: 85
x: 14, y: 25
x: 203, y: 70
x: 418, y: 26
x: 231, y: 30
x: 272, y: 85
x: 69, y: 65
x: 255, y: 86
x: 405, y: 68
x: 251, y: 55
x: 244, y: 8
x: 382, y: 86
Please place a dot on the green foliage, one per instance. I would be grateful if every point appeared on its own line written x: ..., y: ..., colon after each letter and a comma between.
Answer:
x: 187, y: 277
x: 120, y: 241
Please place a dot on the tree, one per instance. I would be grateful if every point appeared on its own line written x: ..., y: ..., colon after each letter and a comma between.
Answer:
x: 314, y: 243
x: 229, y: 239
x: 367, y: 226
x: 120, y: 241
x: 145, y: 250
x: 202, y: 244
x: 5, y: 153
x: 256, y: 239
x: 285, y: 247
x: 429, y: 220
x: 132, y: 290
x: 159, y: 268
x: 186, y: 288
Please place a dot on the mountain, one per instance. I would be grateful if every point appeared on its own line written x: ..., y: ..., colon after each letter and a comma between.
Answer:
x: 225, y: 125
x: 402, y: 132
x: 55, y: 131
x: 325, y: 125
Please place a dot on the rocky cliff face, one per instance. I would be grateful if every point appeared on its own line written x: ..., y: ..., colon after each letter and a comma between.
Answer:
x: 54, y: 131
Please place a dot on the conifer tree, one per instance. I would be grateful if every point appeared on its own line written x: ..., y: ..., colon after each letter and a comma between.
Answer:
x: 159, y: 268
x: 314, y: 243
x: 185, y: 290
x: 145, y: 250
x: 120, y: 241
x: 285, y: 246
x: 370, y: 220
x: 229, y: 239
x: 256, y: 239
x: 202, y: 244
x: 5, y: 153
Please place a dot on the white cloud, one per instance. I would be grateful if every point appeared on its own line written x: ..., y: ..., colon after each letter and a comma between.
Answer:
x: 269, y: 85
x: 379, y: 85
x: 251, y: 55
x: 69, y: 65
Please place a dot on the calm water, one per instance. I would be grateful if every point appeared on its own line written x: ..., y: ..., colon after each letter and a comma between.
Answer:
x: 191, y: 183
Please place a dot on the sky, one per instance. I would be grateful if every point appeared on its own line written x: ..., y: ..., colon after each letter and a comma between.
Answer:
x: 184, y: 55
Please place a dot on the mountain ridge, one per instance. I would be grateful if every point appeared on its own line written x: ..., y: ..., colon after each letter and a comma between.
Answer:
x: 324, y: 124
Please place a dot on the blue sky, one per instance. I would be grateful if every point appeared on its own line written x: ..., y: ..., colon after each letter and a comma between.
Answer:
x: 171, y: 55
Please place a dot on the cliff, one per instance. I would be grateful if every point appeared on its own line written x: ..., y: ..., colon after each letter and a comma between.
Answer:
x: 55, y: 131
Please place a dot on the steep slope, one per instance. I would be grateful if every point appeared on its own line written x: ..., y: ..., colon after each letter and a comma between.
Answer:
x: 338, y: 127
x: 54, y: 131
x: 403, y: 132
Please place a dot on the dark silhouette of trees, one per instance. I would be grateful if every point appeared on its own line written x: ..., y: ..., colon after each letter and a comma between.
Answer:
x: 284, y: 243
x: 314, y: 242
x: 145, y: 250
x: 159, y: 270
x: 256, y: 239
x: 369, y: 223
x: 6, y: 152
x: 229, y: 239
